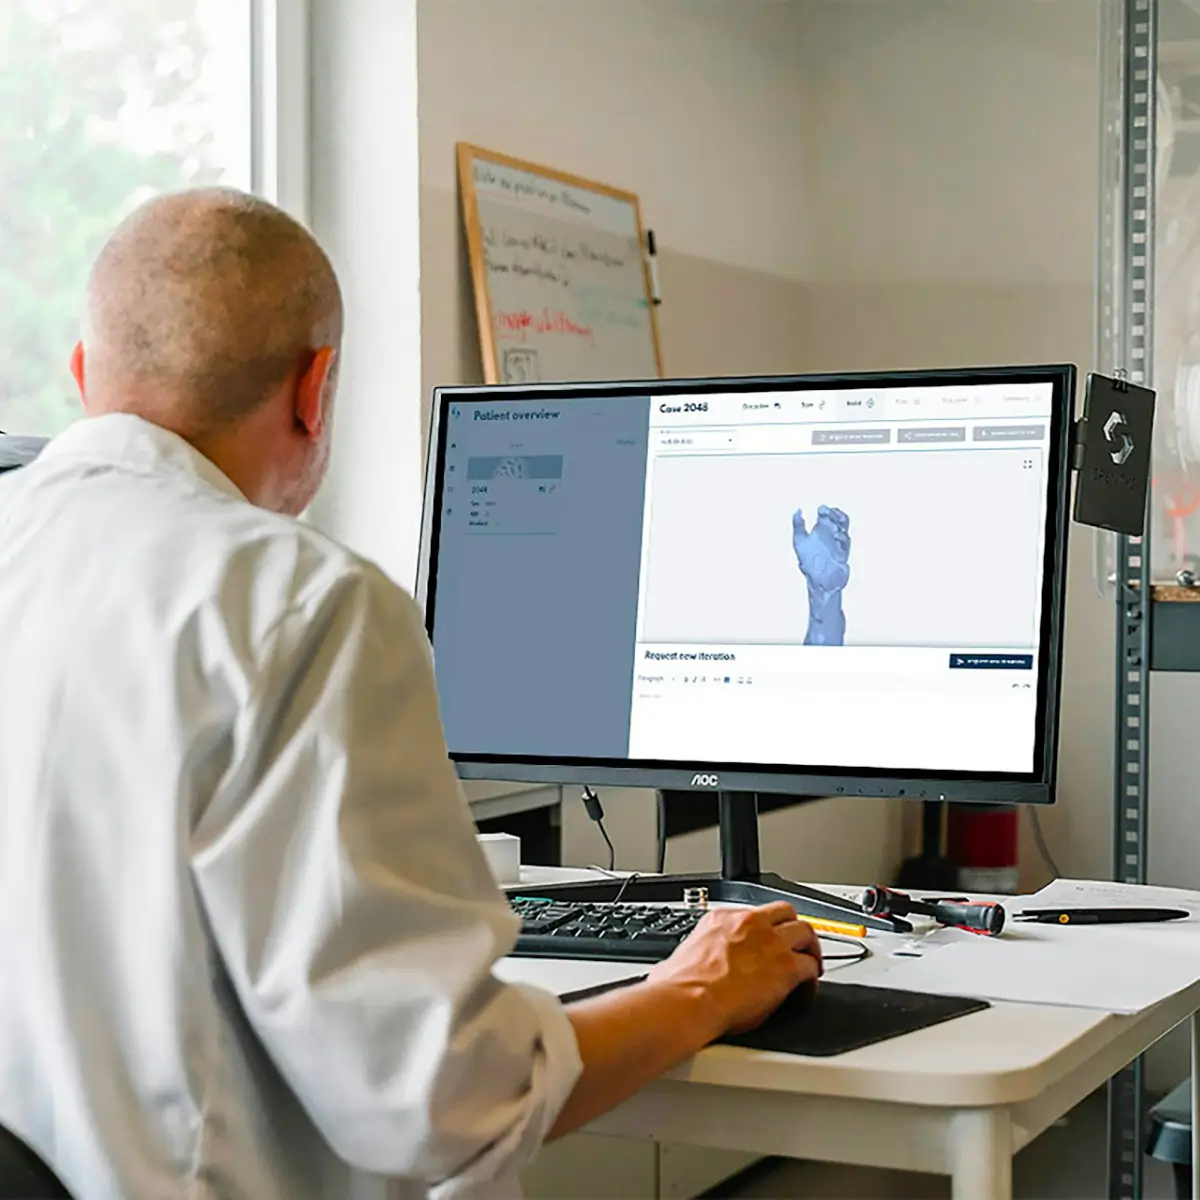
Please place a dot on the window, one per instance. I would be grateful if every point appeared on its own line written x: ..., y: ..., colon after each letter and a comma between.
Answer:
x: 102, y: 104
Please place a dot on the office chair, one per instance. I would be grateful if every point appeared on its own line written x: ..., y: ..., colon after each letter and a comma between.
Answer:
x: 1169, y: 1135
x: 24, y: 1175
x: 17, y: 451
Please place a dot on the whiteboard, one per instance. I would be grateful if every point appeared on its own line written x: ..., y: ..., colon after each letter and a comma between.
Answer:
x: 562, y: 286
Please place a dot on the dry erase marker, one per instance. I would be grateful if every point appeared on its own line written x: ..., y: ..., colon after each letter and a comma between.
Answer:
x: 652, y: 249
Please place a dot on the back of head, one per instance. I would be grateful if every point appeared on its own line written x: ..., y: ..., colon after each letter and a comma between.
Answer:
x: 198, y: 308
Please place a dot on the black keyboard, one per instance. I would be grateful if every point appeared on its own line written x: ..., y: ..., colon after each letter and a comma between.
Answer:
x: 605, y: 932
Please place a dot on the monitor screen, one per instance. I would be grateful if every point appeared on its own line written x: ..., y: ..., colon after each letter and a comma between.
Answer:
x: 840, y: 583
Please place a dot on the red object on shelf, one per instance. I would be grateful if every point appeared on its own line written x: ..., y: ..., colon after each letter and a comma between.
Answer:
x: 983, y: 843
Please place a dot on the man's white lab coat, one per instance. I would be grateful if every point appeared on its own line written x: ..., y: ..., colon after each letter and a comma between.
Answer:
x: 246, y: 933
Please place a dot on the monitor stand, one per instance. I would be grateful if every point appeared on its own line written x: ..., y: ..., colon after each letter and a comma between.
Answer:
x: 741, y: 880
x: 931, y: 870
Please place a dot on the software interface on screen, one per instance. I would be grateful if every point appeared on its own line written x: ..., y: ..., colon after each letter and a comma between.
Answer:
x: 850, y: 579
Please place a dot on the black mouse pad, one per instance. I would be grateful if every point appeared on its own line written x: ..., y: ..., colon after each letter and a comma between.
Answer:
x: 849, y: 1016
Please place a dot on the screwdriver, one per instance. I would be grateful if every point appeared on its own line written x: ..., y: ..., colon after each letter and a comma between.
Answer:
x: 981, y: 917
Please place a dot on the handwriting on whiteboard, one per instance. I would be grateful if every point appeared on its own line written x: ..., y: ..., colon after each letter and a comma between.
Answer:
x: 549, y: 259
x: 520, y: 185
x: 516, y: 326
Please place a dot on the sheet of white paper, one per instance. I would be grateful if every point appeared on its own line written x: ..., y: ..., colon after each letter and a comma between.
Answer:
x: 927, y: 940
x: 1178, y: 937
x: 1113, y: 975
x: 1115, y: 968
x: 1088, y: 893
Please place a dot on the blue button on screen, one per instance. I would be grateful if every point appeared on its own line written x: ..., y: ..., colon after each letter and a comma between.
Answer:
x: 991, y: 662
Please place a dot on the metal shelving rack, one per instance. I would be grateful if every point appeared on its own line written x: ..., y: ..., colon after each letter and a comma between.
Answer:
x: 1158, y: 627
x: 1129, y: 46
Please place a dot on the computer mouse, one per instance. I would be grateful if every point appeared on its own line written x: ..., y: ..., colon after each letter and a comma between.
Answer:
x: 801, y: 997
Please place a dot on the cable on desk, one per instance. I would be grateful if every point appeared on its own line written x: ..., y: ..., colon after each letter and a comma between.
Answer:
x: 862, y: 950
x: 625, y: 880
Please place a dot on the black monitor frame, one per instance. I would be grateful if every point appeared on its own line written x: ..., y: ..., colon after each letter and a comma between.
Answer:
x: 1034, y: 787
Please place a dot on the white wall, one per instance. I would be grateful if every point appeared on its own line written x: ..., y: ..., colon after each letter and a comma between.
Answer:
x: 702, y: 108
x: 881, y: 183
x: 840, y: 183
x: 953, y: 140
x: 955, y: 170
x: 364, y: 203
x: 927, y: 166
x: 924, y: 170
x: 696, y: 105
x: 954, y: 184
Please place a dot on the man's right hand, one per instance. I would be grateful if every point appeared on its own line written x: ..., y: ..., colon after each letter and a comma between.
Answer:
x: 737, y: 967
x: 743, y: 963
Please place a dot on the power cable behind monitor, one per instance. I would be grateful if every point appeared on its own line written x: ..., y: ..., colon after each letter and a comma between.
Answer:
x: 660, y: 805
x: 595, y: 810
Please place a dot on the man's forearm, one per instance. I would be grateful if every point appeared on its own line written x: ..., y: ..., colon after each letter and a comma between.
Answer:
x: 629, y: 1037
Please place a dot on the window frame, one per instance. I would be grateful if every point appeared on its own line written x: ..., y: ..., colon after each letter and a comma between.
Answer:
x: 280, y: 104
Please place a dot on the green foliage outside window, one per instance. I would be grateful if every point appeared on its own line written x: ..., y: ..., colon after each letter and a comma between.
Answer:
x: 100, y: 106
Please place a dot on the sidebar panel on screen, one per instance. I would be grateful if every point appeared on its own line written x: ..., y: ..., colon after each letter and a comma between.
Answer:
x: 537, y: 575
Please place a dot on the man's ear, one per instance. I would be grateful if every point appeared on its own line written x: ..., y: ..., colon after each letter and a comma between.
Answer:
x: 311, y: 390
x: 77, y: 372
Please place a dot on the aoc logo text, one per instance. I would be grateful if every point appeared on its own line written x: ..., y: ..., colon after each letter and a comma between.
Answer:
x: 705, y: 781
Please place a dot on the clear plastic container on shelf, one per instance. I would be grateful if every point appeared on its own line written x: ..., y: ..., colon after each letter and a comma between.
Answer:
x: 1174, y: 526
x: 1175, y: 487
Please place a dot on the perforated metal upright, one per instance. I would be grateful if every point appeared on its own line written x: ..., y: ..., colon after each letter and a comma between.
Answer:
x: 1129, y: 50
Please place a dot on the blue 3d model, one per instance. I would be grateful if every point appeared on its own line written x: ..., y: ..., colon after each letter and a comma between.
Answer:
x: 823, y: 555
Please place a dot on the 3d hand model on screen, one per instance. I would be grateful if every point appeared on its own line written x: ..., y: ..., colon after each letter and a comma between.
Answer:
x: 823, y: 556
x: 510, y: 468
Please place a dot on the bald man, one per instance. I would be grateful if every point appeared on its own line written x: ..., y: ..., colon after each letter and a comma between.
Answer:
x: 247, y: 935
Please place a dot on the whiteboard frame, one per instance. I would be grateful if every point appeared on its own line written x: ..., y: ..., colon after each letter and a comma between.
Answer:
x: 467, y: 154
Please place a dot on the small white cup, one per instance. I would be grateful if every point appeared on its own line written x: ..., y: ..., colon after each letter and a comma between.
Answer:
x: 503, y: 853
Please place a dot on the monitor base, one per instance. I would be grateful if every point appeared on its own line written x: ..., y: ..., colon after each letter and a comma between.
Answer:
x: 762, y: 888
x: 741, y: 880
x: 930, y: 871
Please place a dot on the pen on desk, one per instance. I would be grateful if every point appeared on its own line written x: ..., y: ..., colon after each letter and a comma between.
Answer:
x: 843, y: 927
x: 652, y: 255
x: 1099, y: 916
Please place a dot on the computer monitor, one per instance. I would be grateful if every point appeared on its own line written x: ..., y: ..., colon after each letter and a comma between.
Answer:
x: 815, y: 585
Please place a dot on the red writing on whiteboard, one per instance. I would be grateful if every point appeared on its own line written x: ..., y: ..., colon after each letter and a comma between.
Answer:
x: 516, y: 326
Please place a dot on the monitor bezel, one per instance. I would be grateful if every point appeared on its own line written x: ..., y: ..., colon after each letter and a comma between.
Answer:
x: 1035, y: 787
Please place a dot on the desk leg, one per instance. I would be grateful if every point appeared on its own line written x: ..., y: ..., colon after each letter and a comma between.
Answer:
x: 981, y: 1148
x: 1195, y: 1106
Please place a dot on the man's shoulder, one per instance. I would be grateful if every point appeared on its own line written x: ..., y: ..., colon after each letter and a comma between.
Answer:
x: 309, y: 569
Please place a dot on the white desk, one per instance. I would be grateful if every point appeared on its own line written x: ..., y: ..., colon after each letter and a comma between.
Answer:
x: 958, y: 1099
